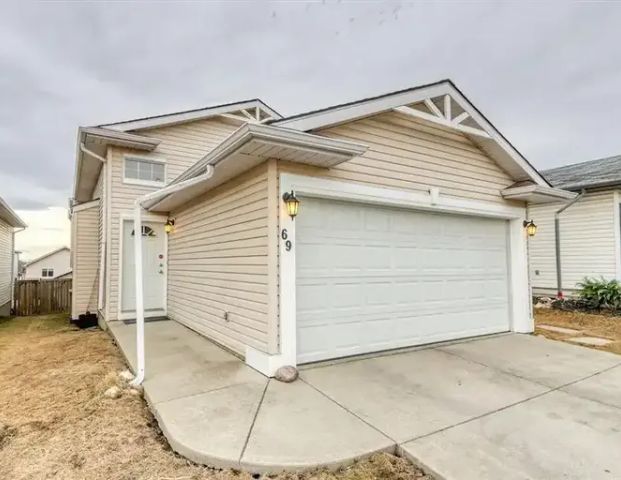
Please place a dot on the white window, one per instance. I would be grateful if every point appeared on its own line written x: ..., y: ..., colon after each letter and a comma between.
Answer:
x: 47, y: 272
x: 144, y: 172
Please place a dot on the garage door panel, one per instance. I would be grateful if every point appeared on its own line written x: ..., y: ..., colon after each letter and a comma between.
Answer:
x: 372, y: 278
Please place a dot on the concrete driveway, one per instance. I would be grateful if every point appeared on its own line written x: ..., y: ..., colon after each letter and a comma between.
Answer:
x: 503, y: 407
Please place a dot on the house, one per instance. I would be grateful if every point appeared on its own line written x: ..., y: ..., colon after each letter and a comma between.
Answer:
x: 409, y: 226
x: 588, y: 229
x: 10, y: 223
x: 51, y: 265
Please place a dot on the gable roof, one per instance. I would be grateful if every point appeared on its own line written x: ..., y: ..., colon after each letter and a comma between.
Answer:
x: 9, y: 216
x: 43, y: 257
x: 168, y: 119
x: 602, y: 172
x: 486, y: 136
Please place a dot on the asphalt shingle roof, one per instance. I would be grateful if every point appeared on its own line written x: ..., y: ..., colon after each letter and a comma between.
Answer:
x: 594, y: 173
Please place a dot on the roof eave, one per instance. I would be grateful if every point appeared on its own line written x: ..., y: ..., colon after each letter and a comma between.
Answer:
x: 169, y: 119
x: 537, y: 194
x: 577, y: 187
x: 229, y: 160
x: 372, y: 106
x: 248, y: 132
x: 106, y: 137
x: 9, y: 216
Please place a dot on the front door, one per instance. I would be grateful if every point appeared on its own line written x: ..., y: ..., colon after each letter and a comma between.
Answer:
x: 153, y: 269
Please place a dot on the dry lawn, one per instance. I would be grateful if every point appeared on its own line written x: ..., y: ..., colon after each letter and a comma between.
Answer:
x: 56, y: 424
x: 595, y: 325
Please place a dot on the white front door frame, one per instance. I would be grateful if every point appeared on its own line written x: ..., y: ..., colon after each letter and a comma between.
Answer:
x: 146, y: 217
x: 431, y: 201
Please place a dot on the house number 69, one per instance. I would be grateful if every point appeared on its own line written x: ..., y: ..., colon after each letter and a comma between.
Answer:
x: 284, y: 235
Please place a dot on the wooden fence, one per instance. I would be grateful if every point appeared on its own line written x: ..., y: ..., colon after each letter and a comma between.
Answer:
x: 39, y: 297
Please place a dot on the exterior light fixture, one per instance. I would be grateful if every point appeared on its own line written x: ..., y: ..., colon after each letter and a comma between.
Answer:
x: 531, y: 228
x: 169, y: 227
x: 292, y: 203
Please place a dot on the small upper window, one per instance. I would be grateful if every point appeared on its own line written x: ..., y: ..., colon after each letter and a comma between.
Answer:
x: 47, y: 272
x: 148, y: 172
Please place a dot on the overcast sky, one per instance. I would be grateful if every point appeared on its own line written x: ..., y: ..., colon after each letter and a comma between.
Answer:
x: 548, y: 76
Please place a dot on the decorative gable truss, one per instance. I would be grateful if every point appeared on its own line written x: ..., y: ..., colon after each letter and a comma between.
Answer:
x: 254, y: 114
x: 445, y: 111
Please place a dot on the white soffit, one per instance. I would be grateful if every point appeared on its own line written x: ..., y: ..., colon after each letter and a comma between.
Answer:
x: 251, y: 145
x: 537, y: 194
x: 8, y: 216
x: 96, y: 140
x: 266, y: 141
x: 443, y: 104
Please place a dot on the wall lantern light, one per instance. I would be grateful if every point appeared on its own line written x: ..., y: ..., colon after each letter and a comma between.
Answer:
x: 531, y: 228
x: 169, y: 227
x: 292, y: 203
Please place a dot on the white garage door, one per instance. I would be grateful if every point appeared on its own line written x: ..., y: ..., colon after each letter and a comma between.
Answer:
x: 372, y: 278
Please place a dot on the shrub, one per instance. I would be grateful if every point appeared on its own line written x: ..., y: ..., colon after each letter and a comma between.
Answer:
x: 600, y: 293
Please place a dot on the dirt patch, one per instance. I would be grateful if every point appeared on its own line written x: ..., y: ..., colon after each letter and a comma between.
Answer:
x: 56, y: 423
x: 589, y: 324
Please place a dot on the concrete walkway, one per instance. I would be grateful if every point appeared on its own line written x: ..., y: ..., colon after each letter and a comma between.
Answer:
x: 511, y: 407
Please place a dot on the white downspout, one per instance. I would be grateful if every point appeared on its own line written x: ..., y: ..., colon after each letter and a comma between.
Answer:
x: 140, y: 343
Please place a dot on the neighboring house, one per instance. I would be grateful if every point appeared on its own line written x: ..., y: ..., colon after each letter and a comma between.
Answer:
x: 9, y: 224
x: 589, y: 229
x: 410, y: 226
x: 53, y: 264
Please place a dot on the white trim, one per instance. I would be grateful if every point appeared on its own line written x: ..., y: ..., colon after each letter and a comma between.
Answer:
x: 372, y: 106
x: 146, y: 217
x: 85, y: 206
x: 412, y: 112
x: 460, y: 118
x: 617, y: 231
x: 447, y: 108
x: 188, y: 116
x: 343, y: 149
x: 521, y: 320
x: 433, y: 108
x: 9, y: 216
x: 146, y: 183
x: 522, y: 193
x: 342, y: 190
x: 519, y: 289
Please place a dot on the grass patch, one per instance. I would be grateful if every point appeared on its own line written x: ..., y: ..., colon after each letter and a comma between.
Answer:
x: 55, y: 422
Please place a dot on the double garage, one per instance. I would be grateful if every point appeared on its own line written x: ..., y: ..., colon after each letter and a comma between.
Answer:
x: 372, y: 278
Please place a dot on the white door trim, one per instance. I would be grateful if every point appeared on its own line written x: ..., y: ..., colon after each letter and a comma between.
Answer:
x: 146, y: 217
x: 521, y: 317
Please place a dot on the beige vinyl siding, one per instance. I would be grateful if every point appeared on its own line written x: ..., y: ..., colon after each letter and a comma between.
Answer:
x: 99, y: 193
x: 181, y: 147
x: 85, y: 225
x: 218, y: 263
x: 6, y: 262
x: 412, y: 154
x: 588, y: 244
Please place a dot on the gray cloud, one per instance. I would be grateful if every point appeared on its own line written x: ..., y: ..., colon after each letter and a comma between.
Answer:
x: 547, y: 75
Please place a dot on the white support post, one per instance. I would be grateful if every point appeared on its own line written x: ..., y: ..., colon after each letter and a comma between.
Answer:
x: 460, y: 118
x: 447, y: 107
x: 140, y: 350
x: 433, y: 108
x: 521, y: 312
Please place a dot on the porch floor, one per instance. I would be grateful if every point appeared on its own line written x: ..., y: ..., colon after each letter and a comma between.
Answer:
x: 215, y: 410
x: 463, y: 410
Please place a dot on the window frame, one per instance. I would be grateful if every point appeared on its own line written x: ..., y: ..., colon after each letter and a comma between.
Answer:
x: 137, y: 181
x: 47, y: 272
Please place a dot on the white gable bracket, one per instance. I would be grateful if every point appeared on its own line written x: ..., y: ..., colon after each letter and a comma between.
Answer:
x: 442, y: 121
